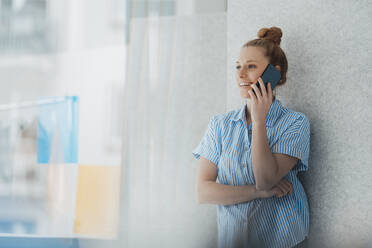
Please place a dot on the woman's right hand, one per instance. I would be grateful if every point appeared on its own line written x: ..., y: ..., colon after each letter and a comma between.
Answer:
x: 282, y: 188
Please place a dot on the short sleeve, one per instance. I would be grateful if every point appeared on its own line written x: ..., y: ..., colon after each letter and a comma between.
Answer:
x: 210, y: 145
x: 295, y: 141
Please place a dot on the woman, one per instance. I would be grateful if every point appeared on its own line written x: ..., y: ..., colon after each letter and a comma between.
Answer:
x: 255, y: 153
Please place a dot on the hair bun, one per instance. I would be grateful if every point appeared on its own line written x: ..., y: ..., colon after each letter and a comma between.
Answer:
x: 274, y: 34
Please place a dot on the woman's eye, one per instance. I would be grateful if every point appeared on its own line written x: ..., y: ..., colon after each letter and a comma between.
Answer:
x: 249, y: 66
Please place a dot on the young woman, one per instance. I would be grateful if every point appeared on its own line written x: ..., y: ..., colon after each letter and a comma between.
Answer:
x: 255, y: 153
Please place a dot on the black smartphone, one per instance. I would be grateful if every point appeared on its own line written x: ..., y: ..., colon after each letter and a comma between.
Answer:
x: 270, y: 74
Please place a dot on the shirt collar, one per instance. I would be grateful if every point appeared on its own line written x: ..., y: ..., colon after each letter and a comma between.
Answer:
x: 271, y: 116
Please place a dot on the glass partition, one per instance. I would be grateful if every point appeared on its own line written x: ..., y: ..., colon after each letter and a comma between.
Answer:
x: 62, y: 67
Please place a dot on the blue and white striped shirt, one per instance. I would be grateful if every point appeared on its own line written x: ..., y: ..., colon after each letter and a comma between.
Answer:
x: 263, y: 222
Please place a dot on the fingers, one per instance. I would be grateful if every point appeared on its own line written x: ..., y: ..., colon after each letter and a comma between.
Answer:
x: 257, y: 91
x: 278, y: 191
x: 263, y: 88
x: 282, y: 189
x: 270, y: 91
x: 289, y: 184
x: 262, y: 93
x: 285, y: 187
x: 253, y: 97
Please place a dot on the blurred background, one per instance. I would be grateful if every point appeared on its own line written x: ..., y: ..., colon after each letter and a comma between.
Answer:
x: 62, y: 69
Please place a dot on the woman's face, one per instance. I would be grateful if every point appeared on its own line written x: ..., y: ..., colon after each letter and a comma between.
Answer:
x: 249, y: 68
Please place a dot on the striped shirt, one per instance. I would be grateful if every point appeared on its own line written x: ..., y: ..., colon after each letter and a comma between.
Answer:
x: 262, y: 222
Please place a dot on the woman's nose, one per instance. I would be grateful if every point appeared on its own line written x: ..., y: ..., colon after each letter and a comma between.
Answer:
x: 242, y: 74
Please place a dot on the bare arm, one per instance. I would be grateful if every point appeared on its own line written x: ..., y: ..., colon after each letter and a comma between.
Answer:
x: 268, y: 168
x: 208, y: 191
x: 263, y: 162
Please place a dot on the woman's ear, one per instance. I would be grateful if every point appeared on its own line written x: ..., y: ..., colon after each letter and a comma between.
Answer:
x: 277, y: 67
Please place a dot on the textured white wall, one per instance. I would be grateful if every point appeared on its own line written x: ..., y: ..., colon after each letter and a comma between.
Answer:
x: 328, y: 47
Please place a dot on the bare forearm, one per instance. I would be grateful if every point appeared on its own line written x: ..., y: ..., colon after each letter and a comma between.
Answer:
x: 216, y: 193
x: 263, y: 161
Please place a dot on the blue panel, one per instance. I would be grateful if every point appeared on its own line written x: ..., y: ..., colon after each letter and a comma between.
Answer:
x: 38, y: 242
x: 23, y: 242
x: 7, y: 226
x: 57, y: 131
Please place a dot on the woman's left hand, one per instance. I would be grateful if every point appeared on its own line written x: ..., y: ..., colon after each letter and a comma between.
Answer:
x: 260, y: 105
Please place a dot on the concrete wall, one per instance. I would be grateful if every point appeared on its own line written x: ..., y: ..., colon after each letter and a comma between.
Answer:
x: 328, y: 47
